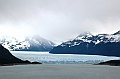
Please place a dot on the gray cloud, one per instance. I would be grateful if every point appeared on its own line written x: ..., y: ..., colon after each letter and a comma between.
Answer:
x: 59, y: 20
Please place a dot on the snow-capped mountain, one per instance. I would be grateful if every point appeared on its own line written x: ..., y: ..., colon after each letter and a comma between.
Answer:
x: 86, y: 43
x: 35, y: 43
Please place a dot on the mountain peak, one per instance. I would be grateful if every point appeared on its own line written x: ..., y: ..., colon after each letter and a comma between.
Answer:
x: 85, y: 34
x: 86, y: 43
x: 118, y: 32
x: 33, y: 43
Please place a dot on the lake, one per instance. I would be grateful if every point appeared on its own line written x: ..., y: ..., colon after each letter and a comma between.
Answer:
x: 59, y: 71
x: 60, y: 66
x: 47, y: 58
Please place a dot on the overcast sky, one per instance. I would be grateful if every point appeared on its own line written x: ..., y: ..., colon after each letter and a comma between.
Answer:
x: 58, y: 20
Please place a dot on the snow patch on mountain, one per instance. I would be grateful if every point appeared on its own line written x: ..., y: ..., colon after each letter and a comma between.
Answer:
x: 96, y: 39
x: 29, y: 43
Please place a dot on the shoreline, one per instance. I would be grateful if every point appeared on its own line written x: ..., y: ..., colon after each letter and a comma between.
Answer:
x: 12, y: 64
x: 110, y: 63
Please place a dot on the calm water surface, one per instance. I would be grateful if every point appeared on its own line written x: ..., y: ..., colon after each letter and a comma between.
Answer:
x: 59, y: 71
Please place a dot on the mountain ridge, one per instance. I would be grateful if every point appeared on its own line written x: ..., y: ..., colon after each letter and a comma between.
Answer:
x: 101, y: 44
x: 34, y: 43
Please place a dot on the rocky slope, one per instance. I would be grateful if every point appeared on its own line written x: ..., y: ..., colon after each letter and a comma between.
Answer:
x: 86, y: 43
x: 35, y: 43
x: 111, y: 63
x: 6, y: 58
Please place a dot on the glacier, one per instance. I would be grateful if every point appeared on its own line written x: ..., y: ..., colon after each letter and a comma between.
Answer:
x: 47, y: 58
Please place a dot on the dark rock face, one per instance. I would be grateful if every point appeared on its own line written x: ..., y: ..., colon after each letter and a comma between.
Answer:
x: 7, y: 58
x: 36, y: 63
x: 108, y: 49
x: 111, y: 63
x: 101, y: 44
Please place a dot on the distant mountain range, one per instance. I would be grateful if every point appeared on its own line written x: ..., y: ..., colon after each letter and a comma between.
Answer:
x: 34, y: 43
x: 86, y: 43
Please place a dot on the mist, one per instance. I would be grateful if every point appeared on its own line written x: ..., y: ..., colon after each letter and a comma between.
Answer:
x: 58, y: 20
